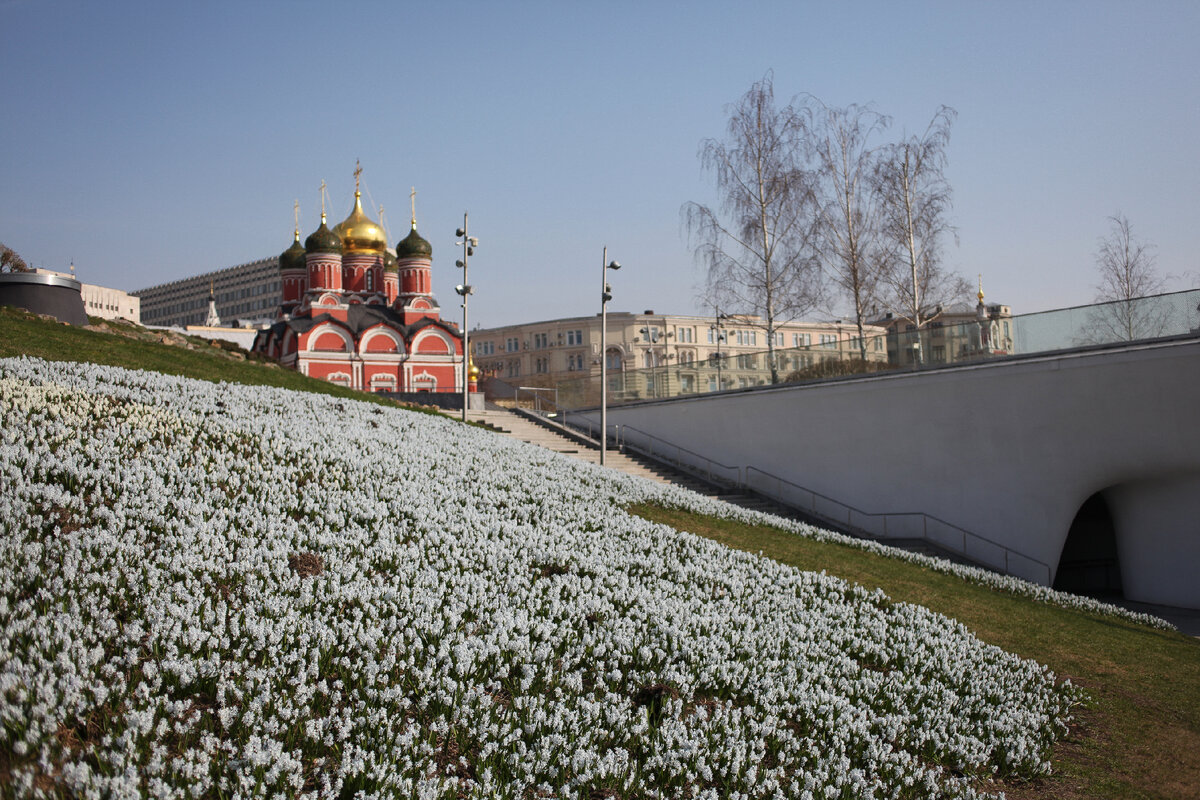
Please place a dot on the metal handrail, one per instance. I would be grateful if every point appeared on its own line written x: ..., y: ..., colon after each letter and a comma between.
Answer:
x: 624, y: 443
x: 537, y: 397
x: 867, y: 516
x: 818, y: 504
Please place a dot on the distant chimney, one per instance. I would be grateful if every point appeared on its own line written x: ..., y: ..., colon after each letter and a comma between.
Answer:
x: 648, y: 311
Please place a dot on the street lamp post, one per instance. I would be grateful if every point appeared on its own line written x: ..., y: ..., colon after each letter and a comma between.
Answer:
x: 605, y: 296
x: 464, y: 290
x: 719, y: 335
x: 652, y: 336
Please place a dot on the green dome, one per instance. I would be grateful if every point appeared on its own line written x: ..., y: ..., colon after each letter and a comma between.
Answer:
x: 323, y: 240
x: 293, y: 257
x: 389, y: 262
x: 414, y: 246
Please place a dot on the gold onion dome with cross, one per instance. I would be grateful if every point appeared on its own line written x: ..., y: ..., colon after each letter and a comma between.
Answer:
x: 359, y: 233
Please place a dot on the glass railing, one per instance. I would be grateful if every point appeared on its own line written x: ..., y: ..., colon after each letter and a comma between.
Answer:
x: 936, y: 344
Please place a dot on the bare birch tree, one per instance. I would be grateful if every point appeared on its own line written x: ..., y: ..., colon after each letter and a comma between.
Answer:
x: 915, y: 199
x: 847, y: 240
x: 1127, y: 274
x: 757, y: 245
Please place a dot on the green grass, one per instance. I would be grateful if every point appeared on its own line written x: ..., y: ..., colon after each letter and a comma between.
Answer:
x: 1140, y: 735
x: 134, y: 347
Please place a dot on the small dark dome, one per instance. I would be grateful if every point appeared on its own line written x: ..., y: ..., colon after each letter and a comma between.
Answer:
x: 414, y: 246
x: 293, y: 257
x: 323, y: 240
x: 389, y: 262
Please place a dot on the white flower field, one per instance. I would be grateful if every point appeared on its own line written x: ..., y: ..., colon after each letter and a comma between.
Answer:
x: 226, y: 591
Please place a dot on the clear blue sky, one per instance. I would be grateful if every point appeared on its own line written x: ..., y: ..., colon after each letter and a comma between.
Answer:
x: 152, y: 141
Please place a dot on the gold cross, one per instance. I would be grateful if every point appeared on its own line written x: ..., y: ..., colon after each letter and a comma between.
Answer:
x: 322, y: 199
x: 296, y: 213
x: 413, y: 197
x: 357, y: 173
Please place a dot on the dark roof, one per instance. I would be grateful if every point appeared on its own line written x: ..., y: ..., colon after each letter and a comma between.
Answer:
x: 360, y: 317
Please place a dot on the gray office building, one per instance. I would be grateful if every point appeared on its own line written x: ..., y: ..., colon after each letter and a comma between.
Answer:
x: 248, y: 293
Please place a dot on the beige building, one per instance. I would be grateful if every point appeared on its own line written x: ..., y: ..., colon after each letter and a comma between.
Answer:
x: 101, y: 301
x: 657, y: 355
x: 958, y: 332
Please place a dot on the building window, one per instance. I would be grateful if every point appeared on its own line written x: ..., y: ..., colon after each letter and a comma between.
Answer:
x: 574, y: 338
x: 828, y: 340
x: 939, y: 354
x: 540, y: 341
x: 687, y: 335
x: 801, y: 339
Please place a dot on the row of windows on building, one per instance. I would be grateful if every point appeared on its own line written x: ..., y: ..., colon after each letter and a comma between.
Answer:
x: 578, y: 362
x: 102, y: 306
x: 684, y: 335
x: 267, y: 299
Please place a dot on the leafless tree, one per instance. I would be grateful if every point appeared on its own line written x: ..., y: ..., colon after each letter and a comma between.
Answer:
x: 10, y: 261
x: 915, y: 200
x: 1127, y: 274
x: 757, y: 245
x: 847, y: 240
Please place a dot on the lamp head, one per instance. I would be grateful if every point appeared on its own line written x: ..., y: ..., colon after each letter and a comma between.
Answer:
x: 614, y: 265
x: 460, y: 232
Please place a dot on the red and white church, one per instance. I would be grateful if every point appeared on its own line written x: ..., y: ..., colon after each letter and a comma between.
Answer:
x: 355, y: 314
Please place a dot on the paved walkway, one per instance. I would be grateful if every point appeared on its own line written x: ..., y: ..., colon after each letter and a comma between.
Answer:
x: 526, y: 430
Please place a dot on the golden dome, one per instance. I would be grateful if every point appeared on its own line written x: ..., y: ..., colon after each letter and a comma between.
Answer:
x: 473, y: 371
x: 359, y: 233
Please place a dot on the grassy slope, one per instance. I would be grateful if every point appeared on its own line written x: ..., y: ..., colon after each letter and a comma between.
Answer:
x: 1140, y: 739
x: 1141, y: 735
x: 133, y: 347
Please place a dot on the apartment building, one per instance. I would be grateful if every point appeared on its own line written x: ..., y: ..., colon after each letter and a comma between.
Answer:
x: 650, y: 354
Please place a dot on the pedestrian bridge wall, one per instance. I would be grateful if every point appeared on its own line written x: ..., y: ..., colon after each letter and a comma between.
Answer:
x: 1009, y: 451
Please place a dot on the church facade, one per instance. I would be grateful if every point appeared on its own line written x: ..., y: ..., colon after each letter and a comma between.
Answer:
x: 356, y: 313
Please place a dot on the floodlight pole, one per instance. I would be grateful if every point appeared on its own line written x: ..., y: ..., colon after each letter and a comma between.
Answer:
x: 468, y: 245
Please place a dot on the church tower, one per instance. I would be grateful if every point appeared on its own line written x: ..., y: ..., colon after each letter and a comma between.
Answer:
x: 364, y: 244
x: 414, y: 263
x: 293, y: 272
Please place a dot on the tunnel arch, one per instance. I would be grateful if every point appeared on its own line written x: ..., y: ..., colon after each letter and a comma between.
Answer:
x: 1090, y: 562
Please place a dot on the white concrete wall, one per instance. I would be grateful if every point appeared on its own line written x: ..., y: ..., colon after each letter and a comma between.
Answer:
x: 1009, y: 451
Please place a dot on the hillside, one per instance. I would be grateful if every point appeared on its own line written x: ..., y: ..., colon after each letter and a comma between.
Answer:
x: 200, y: 596
x: 121, y: 344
